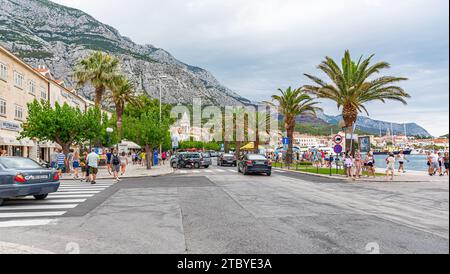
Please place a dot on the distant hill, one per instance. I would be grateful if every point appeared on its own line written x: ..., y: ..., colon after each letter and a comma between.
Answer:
x: 371, y: 126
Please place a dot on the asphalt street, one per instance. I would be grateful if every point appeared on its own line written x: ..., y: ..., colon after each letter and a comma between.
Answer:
x: 218, y: 210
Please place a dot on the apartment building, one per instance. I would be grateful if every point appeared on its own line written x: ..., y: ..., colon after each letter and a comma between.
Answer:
x: 21, y: 84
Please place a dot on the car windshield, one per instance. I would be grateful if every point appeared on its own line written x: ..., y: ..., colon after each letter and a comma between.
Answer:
x: 19, y: 163
x: 256, y: 157
x: 207, y: 155
x: 228, y: 156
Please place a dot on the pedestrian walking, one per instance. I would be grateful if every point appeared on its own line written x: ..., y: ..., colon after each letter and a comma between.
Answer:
x: 446, y: 164
x: 115, y: 163
x: 390, y: 168
x: 54, y: 158
x: 76, y: 165
x: 93, y: 161
x: 164, y: 157
x: 70, y: 161
x: 370, y: 164
x: 401, y: 161
x: 123, y: 163
x: 61, y: 162
x: 358, y: 165
x: 441, y: 164
x: 108, y: 160
x: 348, y: 166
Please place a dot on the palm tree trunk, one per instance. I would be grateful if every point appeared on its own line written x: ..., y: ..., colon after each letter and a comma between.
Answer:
x: 99, y: 95
x: 119, y: 113
x: 290, y: 135
x: 257, y: 141
x: 238, y: 149
x: 149, y: 156
x: 350, y: 115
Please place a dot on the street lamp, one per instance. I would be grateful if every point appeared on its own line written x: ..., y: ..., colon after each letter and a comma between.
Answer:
x: 160, y: 104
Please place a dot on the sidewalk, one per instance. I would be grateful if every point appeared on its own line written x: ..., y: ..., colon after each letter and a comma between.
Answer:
x: 133, y: 171
x: 409, y: 176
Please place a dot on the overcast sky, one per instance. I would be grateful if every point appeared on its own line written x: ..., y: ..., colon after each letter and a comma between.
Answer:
x: 257, y: 46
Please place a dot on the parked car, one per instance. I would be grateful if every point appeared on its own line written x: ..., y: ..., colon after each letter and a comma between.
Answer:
x: 206, y: 160
x: 214, y: 154
x: 227, y: 160
x: 21, y: 177
x: 255, y: 163
x: 189, y: 159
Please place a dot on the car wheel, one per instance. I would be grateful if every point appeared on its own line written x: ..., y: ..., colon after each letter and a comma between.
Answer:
x: 206, y: 166
x: 269, y: 173
x: 174, y: 165
x: 245, y: 171
x: 40, y: 197
x: 196, y: 165
x: 1, y: 201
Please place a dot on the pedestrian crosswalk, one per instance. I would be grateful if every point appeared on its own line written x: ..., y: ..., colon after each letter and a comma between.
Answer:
x: 216, y: 171
x: 27, y: 211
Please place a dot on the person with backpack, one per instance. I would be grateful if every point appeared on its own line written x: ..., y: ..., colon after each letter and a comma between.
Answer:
x: 115, y: 163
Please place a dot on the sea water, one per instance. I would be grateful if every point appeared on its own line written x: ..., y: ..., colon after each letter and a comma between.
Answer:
x: 415, y: 162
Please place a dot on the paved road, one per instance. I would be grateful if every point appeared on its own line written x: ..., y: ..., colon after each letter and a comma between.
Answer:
x: 218, y: 210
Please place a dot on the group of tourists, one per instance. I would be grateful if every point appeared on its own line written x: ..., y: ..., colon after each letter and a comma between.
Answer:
x: 140, y: 158
x: 438, y: 163
x: 85, y: 166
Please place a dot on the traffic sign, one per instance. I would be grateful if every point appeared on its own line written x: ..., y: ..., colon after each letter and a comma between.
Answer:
x: 338, y: 149
x: 338, y: 139
x: 285, y: 141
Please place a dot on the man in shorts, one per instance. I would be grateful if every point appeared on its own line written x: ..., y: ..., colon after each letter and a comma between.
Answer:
x: 93, y: 161
x: 61, y: 162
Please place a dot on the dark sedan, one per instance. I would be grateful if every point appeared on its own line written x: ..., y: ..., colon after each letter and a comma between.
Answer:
x: 255, y: 164
x: 227, y: 160
x: 20, y: 177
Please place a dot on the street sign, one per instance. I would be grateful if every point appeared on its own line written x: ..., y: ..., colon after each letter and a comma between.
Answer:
x: 338, y: 139
x: 285, y: 141
x: 338, y: 149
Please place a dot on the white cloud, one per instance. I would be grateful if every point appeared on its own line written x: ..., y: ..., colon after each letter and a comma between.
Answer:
x: 257, y: 46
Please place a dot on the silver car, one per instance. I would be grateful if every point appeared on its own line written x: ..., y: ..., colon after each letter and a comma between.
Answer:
x: 20, y: 177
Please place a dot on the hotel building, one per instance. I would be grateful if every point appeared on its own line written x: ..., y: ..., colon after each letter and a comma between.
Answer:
x: 21, y: 84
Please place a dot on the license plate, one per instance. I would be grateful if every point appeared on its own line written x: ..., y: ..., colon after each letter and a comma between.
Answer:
x: 260, y: 163
x: 40, y: 177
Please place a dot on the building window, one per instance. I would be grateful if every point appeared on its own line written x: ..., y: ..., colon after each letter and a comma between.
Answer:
x: 2, y: 107
x: 18, y: 80
x: 32, y: 87
x: 43, y: 94
x: 19, y: 113
x: 3, y: 72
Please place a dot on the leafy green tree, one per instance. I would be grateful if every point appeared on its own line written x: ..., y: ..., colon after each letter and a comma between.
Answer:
x: 63, y: 125
x: 142, y: 125
x: 98, y: 69
x: 292, y: 103
x: 354, y: 85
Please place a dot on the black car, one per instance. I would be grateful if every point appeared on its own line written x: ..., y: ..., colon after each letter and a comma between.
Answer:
x: 255, y: 164
x: 227, y: 160
x: 21, y: 177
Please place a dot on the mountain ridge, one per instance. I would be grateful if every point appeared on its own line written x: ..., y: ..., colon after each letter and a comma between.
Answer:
x: 46, y: 33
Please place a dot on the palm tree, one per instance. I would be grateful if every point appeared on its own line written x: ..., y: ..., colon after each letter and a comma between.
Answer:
x: 293, y: 103
x: 353, y: 85
x: 98, y: 69
x: 122, y: 92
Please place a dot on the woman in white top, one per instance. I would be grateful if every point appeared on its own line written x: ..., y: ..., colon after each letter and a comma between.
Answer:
x: 401, y: 161
x: 390, y: 169
x: 123, y: 163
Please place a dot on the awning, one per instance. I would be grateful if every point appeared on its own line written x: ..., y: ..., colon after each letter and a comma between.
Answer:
x: 130, y: 145
x: 251, y: 146
x: 27, y: 143
x: 47, y: 145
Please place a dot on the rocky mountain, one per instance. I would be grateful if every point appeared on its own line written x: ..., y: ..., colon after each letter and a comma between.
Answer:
x: 368, y: 125
x: 45, y: 33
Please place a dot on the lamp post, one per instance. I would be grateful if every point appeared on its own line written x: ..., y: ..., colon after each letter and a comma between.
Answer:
x: 160, y: 104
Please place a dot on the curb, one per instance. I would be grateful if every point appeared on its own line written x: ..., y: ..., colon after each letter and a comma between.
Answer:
x: 357, y: 181
x: 10, y: 248
x: 124, y: 178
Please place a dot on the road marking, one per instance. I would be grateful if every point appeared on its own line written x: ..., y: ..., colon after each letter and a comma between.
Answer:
x: 22, y: 223
x: 208, y: 171
x: 196, y: 171
x: 48, y: 201
x: 70, y: 196
x: 38, y: 207
x: 73, y: 192
x: 31, y: 214
x: 220, y: 170
x: 232, y: 170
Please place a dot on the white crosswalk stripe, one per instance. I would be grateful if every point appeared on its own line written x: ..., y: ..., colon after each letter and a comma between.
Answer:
x: 24, y: 212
